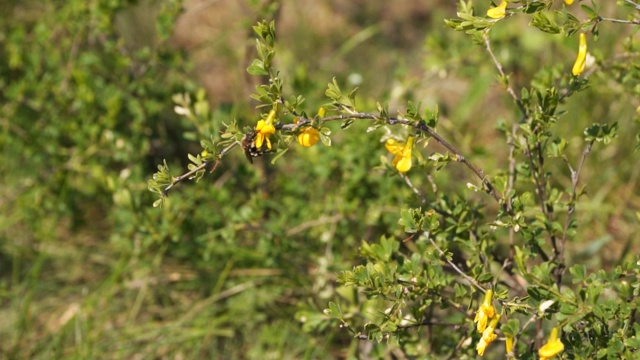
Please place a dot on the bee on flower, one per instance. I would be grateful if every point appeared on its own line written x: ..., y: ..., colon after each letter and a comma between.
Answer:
x: 265, y: 128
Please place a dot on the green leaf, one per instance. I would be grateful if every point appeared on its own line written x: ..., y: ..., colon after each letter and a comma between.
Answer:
x: 544, y: 23
x: 579, y: 273
x: 407, y: 220
x: 345, y: 124
x: 278, y: 155
x: 257, y: 68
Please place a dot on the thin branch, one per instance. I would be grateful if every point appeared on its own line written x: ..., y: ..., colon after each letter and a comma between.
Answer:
x: 547, y: 210
x: 620, y: 21
x: 487, y: 44
x: 456, y: 326
x: 575, y: 176
x: 424, y: 199
x: 313, y: 223
x: 178, y: 179
x: 420, y: 126
x: 540, y: 189
x: 415, y: 190
x: 471, y: 280
x: 524, y: 327
x: 510, y: 185
x: 633, y: 3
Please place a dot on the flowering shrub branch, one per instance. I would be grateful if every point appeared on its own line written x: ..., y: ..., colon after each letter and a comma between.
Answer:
x: 454, y: 249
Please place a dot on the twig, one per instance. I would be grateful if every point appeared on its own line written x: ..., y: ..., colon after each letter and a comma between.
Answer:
x: 434, y: 323
x: 575, y: 175
x: 317, y: 222
x: 510, y: 184
x: 524, y: 327
x: 487, y: 44
x: 420, y: 126
x: 361, y: 336
x: 491, y: 190
x: 634, y: 4
x: 415, y: 190
x: 619, y: 21
x: 200, y: 167
x: 541, y: 194
x: 424, y: 199
x: 471, y: 280
x: 540, y: 189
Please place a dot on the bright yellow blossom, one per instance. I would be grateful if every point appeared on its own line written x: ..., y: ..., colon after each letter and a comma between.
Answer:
x: 581, y: 60
x: 568, y: 2
x: 499, y: 11
x: 402, y: 151
x: 509, y: 343
x: 552, y: 347
x: 488, y: 336
x: 264, y: 128
x: 309, y: 136
x: 485, y: 312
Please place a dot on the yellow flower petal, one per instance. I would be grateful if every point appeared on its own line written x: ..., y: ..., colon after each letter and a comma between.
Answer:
x: 488, y: 336
x: 552, y: 347
x: 263, y: 130
x: 259, y: 140
x: 499, y: 11
x: 393, y: 146
x: 581, y: 60
x: 485, y: 312
x: 509, y: 344
x: 403, y: 164
x: 402, y: 151
x: 484, y: 342
x: 568, y: 2
x: 309, y: 136
x: 272, y: 115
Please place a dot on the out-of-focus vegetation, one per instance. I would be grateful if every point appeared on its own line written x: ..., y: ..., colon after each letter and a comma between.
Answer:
x: 242, y: 264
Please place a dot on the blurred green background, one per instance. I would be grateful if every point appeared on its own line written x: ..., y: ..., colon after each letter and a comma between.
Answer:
x: 241, y: 264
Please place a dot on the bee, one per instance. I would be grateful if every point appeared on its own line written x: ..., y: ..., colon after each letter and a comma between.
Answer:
x: 248, y: 144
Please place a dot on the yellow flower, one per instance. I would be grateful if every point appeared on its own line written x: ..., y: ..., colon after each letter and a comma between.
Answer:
x: 578, y: 66
x: 402, y: 151
x: 488, y: 336
x: 309, y: 136
x: 498, y: 12
x: 485, y: 312
x: 264, y: 128
x: 552, y: 347
x: 568, y: 2
x: 509, y: 343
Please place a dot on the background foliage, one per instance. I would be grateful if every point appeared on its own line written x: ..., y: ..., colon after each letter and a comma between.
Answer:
x: 242, y: 264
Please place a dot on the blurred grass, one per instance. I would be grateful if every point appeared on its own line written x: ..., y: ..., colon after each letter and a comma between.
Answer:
x: 88, y: 269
